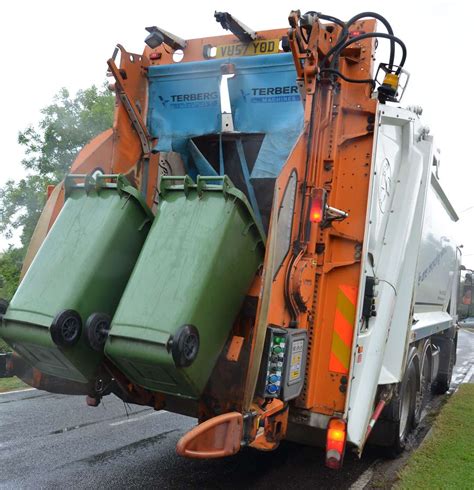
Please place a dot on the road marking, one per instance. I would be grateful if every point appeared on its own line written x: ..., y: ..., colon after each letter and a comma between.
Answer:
x: 468, y: 375
x: 365, y: 478
x: 136, y: 419
x: 17, y: 391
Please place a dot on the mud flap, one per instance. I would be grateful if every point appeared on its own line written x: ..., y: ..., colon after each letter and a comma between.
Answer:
x: 215, y: 438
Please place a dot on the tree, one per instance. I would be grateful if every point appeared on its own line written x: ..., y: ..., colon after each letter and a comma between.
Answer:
x: 50, y: 148
x: 21, y: 204
x: 10, y: 267
x: 67, y: 125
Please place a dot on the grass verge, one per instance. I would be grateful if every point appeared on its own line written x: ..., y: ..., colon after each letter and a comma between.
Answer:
x: 10, y: 384
x: 446, y: 459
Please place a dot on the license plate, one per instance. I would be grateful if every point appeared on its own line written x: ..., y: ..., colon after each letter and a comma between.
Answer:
x: 263, y: 46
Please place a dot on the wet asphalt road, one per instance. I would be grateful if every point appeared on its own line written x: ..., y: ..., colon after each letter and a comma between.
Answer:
x: 55, y: 441
x: 52, y: 441
x: 464, y: 369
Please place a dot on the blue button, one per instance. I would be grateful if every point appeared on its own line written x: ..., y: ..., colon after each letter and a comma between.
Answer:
x: 273, y: 378
x: 272, y: 389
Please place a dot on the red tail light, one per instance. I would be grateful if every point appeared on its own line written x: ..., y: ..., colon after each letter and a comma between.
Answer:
x: 335, y: 443
x: 318, y: 204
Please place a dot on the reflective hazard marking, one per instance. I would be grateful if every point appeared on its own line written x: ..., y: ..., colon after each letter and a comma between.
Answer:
x: 344, y: 320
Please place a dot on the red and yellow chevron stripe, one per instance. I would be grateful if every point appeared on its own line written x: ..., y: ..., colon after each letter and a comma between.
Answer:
x: 344, y: 320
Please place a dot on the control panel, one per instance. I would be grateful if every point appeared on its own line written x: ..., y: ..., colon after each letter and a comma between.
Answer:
x: 283, y: 363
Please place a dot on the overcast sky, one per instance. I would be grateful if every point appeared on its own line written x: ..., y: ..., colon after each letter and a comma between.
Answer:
x: 52, y: 44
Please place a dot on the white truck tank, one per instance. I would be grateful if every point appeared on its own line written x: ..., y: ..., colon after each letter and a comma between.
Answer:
x: 409, y: 258
x: 437, y: 261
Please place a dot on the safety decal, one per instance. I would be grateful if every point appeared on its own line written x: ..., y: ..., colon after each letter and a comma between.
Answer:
x: 344, y: 320
x: 296, y: 360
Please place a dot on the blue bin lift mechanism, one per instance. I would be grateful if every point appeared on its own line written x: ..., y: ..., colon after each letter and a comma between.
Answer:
x: 185, y: 103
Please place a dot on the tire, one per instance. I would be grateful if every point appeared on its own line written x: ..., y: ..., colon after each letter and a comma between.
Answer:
x: 185, y: 346
x: 403, y: 411
x: 66, y: 328
x: 445, y: 374
x: 422, y: 395
x: 97, y: 330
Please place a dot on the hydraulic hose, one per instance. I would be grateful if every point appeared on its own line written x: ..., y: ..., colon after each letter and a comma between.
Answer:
x: 347, y: 79
x: 393, y: 39
x: 328, y: 18
x: 345, y: 32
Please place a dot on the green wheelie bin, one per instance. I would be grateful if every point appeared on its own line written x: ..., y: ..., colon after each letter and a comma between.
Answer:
x: 60, y: 315
x: 188, y: 285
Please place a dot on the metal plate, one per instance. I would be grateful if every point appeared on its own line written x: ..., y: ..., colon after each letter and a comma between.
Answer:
x: 263, y: 46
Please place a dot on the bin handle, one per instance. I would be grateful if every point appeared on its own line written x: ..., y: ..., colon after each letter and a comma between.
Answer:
x: 69, y: 182
x: 224, y: 180
x: 89, y: 182
x: 166, y: 182
x: 97, y: 177
x: 96, y: 183
x: 88, y: 178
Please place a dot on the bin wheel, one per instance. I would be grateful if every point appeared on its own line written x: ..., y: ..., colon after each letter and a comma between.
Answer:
x: 185, y: 345
x: 66, y: 328
x: 97, y: 330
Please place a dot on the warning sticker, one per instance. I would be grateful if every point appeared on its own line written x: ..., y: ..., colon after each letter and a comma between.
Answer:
x: 296, y: 358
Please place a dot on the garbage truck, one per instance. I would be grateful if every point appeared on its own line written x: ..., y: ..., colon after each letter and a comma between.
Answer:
x: 261, y: 242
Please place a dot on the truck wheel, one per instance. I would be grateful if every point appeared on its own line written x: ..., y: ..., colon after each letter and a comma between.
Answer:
x: 66, y: 328
x: 445, y: 373
x: 403, y: 410
x: 97, y: 330
x: 425, y: 383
